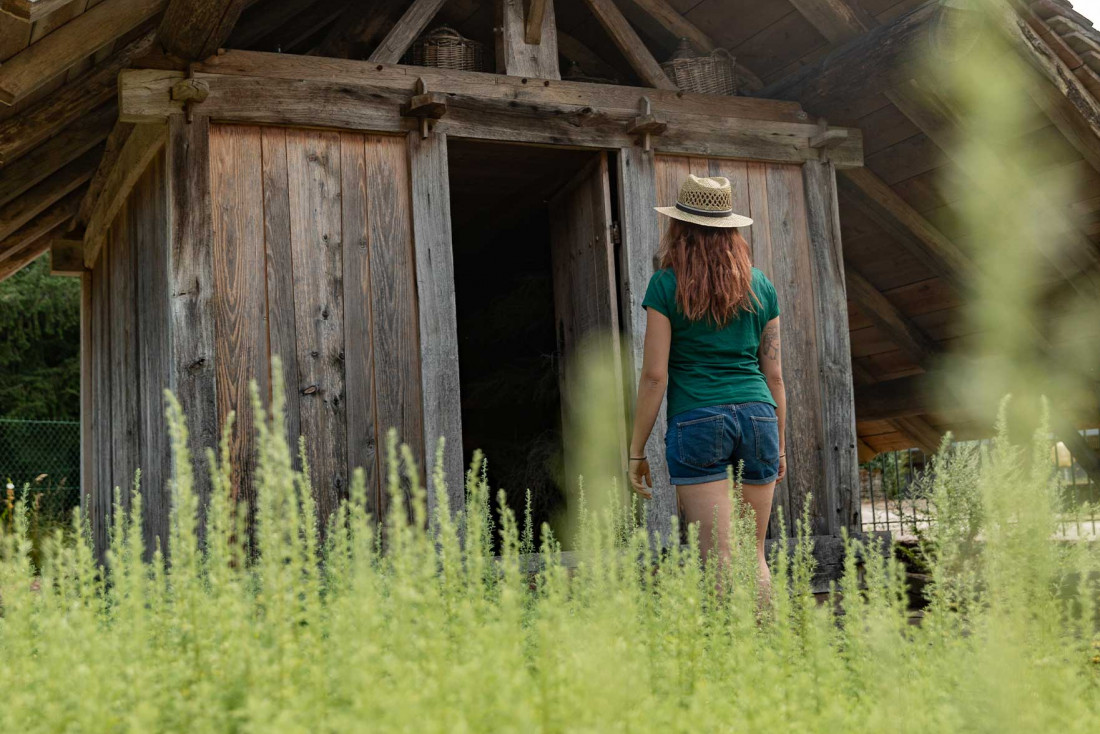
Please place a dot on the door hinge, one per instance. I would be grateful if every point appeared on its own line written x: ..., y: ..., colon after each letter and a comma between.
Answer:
x: 616, y: 233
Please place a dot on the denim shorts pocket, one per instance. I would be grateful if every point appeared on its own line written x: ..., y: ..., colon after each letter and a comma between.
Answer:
x: 766, y: 432
x: 700, y: 441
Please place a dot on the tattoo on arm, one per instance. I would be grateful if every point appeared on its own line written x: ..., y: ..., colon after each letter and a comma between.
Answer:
x: 769, y: 342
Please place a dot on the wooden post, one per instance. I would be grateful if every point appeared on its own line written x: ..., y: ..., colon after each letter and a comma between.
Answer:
x: 87, y: 449
x: 191, y: 288
x: 519, y: 52
x: 640, y: 237
x: 840, y: 460
x: 435, y: 289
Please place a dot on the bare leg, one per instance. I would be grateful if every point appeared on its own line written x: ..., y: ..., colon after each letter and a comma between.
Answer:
x: 700, y: 503
x: 759, y: 498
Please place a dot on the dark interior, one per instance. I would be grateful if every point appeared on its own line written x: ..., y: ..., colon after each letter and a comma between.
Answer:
x: 504, y: 291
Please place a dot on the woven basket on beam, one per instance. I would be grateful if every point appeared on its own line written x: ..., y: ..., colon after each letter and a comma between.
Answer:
x: 713, y: 74
x: 446, y: 48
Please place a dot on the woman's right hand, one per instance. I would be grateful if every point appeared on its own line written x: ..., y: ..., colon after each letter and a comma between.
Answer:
x: 782, y: 468
x: 640, y: 477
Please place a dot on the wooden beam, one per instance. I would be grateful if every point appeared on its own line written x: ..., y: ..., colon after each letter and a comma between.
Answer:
x: 71, y: 43
x: 837, y: 20
x: 866, y: 65
x: 42, y: 195
x: 115, y: 140
x: 922, y: 433
x: 405, y: 31
x: 516, y: 55
x: 42, y: 225
x: 895, y: 325
x: 32, y: 11
x: 58, y: 151
x: 25, y: 256
x: 628, y: 42
x: 876, y: 199
x: 71, y: 103
x: 194, y: 29
x: 260, y: 21
x: 66, y: 256
x: 140, y: 147
x: 359, y: 29
x: 536, y: 13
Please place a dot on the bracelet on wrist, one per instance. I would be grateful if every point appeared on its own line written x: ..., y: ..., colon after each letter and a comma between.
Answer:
x: 637, y: 458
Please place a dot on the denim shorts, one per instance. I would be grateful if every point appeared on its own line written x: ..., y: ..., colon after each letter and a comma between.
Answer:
x: 702, y: 443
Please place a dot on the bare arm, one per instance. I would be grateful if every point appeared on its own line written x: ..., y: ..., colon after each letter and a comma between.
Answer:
x: 771, y: 365
x: 651, y: 390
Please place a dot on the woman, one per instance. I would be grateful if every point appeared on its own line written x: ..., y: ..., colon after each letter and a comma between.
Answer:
x: 712, y: 336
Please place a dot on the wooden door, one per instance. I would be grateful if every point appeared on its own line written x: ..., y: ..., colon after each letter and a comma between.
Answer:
x: 586, y: 310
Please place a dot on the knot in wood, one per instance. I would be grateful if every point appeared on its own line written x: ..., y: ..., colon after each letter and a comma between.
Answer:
x: 310, y: 390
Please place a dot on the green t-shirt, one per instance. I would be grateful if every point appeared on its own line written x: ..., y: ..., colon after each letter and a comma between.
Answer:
x: 708, y: 365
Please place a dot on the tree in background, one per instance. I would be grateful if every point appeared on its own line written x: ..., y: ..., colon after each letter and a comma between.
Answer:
x: 39, y: 345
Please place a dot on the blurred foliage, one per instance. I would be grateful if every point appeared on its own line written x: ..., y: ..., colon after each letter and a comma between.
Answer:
x: 40, y: 345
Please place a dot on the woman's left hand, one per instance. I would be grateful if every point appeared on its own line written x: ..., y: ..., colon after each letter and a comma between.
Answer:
x: 640, y: 478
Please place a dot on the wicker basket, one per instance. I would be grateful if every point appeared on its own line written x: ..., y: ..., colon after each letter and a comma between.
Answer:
x: 713, y: 74
x: 446, y: 48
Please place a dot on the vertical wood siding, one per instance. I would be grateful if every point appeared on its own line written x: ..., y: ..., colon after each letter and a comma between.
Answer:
x: 128, y: 336
x: 774, y: 196
x: 313, y: 262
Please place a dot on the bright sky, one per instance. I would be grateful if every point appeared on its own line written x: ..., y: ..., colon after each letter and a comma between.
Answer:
x: 1088, y: 8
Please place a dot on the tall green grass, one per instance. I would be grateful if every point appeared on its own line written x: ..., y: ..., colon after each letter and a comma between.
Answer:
x: 395, y: 626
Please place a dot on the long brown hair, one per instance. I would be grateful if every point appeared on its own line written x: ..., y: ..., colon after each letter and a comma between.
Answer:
x: 713, y: 270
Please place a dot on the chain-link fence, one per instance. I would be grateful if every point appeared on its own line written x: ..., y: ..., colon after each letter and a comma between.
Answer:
x: 44, y: 457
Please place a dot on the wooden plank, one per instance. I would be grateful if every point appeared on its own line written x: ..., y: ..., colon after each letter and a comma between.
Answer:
x: 43, y: 195
x: 79, y: 38
x: 577, y: 94
x: 27, y: 253
x: 32, y: 11
x: 917, y: 345
x: 87, y: 403
x: 67, y: 257
x: 840, y: 486
x: 194, y: 29
x: 518, y: 52
x: 140, y: 148
x: 102, y: 487
x: 191, y: 285
x: 360, y: 27
x: 924, y: 436
x: 55, y: 153
x: 435, y: 291
x: 280, y: 276
x: 116, y: 139
x: 73, y: 102
x: 240, y: 308
x: 359, y: 369
x: 125, y: 427
x: 313, y: 175
x: 906, y: 225
x: 629, y: 44
x: 149, y: 207
x: 905, y: 396
x: 837, y: 20
x: 791, y: 273
x: 41, y: 226
x: 641, y: 234
x: 405, y: 31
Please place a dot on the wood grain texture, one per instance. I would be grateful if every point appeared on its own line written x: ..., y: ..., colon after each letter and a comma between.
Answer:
x: 313, y: 174
x: 279, y: 263
x: 629, y: 44
x: 149, y: 209
x: 87, y: 402
x: 917, y: 345
x: 125, y: 426
x: 192, y: 369
x: 72, y: 102
x: 44, y: 194
x: 641, y: 235
x: 40, y: 227
x: 32, y: 10
x: 405, y: 31
x: 141, y: 146
x: 194, y: 29
x: 356, y: 199
x: 837, y: 20
x: 840, y: 482
x: 240, y: 303
x: 435, y: 291
x: 69, y: 44
x: 522, y: 49
x: 102, y: 487
x: 112, y: 147
x: 792, y: 274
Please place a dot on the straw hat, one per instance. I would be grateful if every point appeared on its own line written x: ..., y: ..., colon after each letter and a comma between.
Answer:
x: 707, y: 201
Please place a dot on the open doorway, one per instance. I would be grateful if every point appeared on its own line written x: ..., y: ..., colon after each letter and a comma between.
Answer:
x: 534, y: 269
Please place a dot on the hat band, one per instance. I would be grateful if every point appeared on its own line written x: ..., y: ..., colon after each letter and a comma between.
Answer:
x: 704, y: 212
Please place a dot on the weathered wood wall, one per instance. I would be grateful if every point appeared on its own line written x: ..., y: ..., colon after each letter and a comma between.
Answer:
x: 127, y: 331
x: 313, y: 261
x: 820, y: 448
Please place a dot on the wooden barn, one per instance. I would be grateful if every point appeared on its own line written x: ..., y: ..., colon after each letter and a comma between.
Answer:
x: 424, y: 246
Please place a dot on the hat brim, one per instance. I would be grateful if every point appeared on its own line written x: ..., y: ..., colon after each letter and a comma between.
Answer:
x: 733, y: 220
